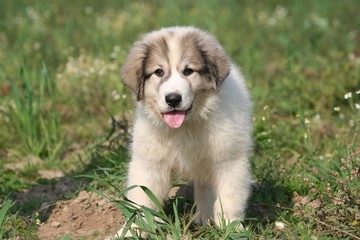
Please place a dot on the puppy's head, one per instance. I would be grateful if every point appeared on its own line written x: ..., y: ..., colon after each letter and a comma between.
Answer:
x: 172, y: 69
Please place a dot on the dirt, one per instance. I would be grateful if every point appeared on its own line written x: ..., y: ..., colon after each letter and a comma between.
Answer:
x: 88, y: 216
x: 85, y: 216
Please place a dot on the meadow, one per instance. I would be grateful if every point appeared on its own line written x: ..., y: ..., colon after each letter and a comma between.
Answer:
x: 65, y: 113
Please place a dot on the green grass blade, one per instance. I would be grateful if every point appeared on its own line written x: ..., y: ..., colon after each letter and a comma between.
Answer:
x: 153, y: 198
x: 7, y: 204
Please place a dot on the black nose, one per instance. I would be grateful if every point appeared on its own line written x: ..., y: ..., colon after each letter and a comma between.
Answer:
x: 173, y: 99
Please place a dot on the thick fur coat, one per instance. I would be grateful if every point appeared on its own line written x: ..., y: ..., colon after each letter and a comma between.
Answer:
x: 192, y: 120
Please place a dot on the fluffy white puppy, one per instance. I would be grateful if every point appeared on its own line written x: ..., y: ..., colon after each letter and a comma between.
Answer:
x: 192, y: 119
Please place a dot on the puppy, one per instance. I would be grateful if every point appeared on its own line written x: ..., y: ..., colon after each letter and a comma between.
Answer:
x: 192, y: 119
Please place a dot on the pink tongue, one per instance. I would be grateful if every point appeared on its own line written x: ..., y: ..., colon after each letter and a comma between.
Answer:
x: 174, y: 119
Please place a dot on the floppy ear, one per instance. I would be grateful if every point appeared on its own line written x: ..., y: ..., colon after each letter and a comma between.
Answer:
x: 132, y: 72
x: 216, y: 61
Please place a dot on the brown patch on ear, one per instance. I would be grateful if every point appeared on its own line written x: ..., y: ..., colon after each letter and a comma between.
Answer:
x: 216, y: 62
x: 132, y: 72
x: 215, y: 58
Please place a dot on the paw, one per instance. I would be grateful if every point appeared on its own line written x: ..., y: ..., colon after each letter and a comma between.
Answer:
x: 121, y: 233
x: 222, y: 222
x: 203, y: 220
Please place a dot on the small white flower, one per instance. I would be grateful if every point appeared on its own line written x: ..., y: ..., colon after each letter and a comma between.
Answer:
x: 280, y: 11
x: 352, y: 57
x: 88, y: 10
x: 37, y: 45
x: 115, y: 95
x: 306, y: 121
x: 113, y: 55
x: 317, y: 117
x: 357, y: 105
x: 272, y: 21
x: 279, y: 225
x: 351, y: 123
x: 117, y: 48
x: 92, y: 70
x: 318, y: 20
x: 358, y: 92
x: 348, y: 95
x: 337, y: 109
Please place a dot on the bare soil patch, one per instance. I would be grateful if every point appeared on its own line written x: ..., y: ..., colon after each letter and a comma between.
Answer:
x: 88, y: 216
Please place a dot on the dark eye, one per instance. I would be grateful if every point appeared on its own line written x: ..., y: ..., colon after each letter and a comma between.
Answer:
x: 159, y: 72
x: 188, y: 71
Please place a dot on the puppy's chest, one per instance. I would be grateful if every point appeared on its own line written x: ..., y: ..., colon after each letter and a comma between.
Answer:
x: 188, y: 147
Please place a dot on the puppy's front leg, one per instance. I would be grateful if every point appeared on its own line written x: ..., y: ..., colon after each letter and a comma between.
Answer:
x: 144, y: 172
x: 151, y: 175
x: 204, y: 198
x: 233, y: 189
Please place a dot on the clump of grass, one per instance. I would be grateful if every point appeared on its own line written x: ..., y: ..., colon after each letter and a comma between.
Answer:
x: 90, y: 80
x: 168, y: 223
x: 13, y: 225
x: 31, y: 117
x: 17, y: 226
x: 5, y: 206
x: 332, y: 206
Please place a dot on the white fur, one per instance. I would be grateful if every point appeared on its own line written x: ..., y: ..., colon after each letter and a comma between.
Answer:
x: 210, y: 149
x: 176, y: 84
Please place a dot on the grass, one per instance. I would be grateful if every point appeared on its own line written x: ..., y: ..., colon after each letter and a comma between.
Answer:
x: 37, y: 129
x: 6, y: 205
x: 61, y: 102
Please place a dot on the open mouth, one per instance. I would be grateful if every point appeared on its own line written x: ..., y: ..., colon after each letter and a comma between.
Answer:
x: 175, y: 119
